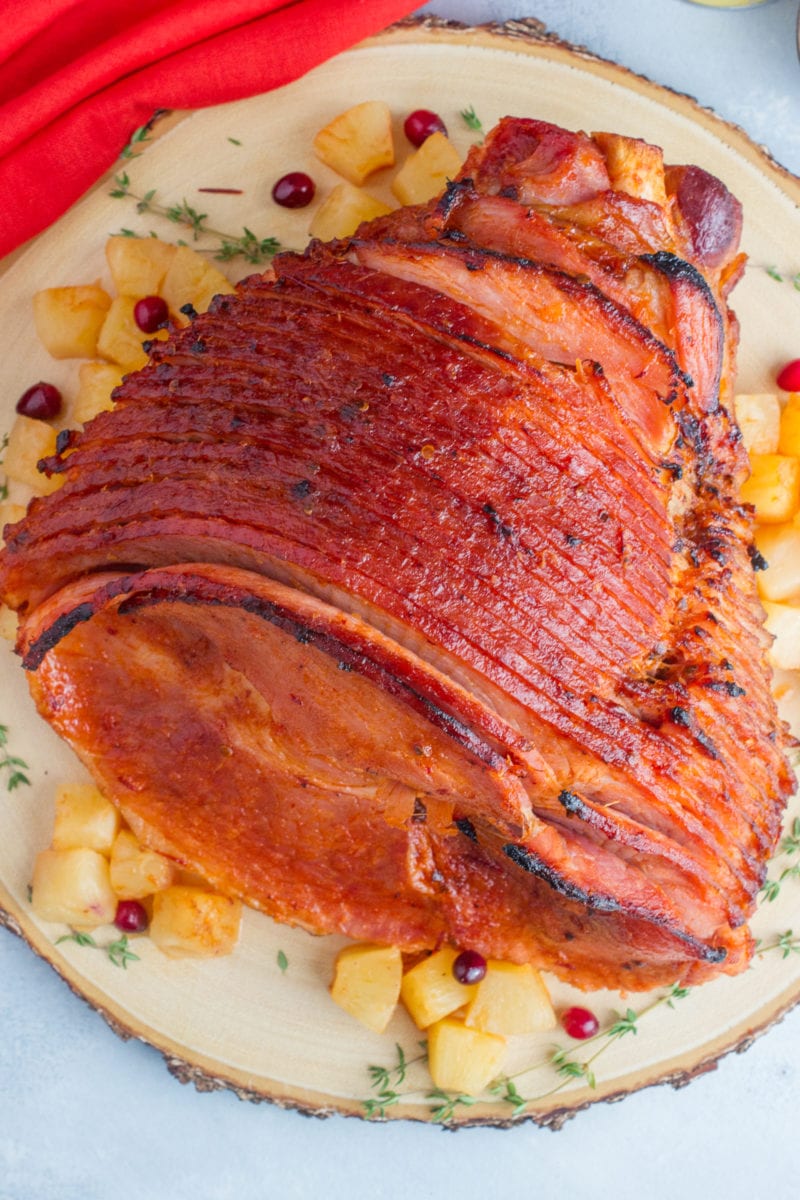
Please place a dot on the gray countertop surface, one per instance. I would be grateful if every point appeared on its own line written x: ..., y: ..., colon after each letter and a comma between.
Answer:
x: 85, y: 1115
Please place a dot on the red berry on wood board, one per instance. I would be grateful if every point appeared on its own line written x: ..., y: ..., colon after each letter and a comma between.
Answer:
x: 419, y: 126
x: 294, y: 190
x: 42, y: 402
x: 788, y: 378
x: 150, y: 313
x: 579, y: 1023
x: 131, y: 916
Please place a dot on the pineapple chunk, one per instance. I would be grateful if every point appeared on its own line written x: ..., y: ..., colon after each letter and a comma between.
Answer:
x: 68, y: 319
x: 213, y: 283
x: 73, y: 887
x: 634, y: 166
x: 9, y: 515
x: 191, y: 280
x: 28, y: 441
x: 341, y: 213
x: 96, y: 382
x: 780, y: 546
x: 8, y: 623
x: 461, y: 1059
x: 84, y: 818
x: 190, y: 922
x: 786, y: 690
x: 789, y: 439
x: 121, y: 339
x: 773, y: 487
x: 367, y: 983
x: 138, y: 265
x: 511, y: 998
x: 358, y: 141
x: 783, y: 622
x: 425, y: 173
x: 759, y: 418
x: 430, y: 991
x: 136, y: 871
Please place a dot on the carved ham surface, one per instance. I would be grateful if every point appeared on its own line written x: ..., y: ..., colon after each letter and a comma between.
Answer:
x: 407, y: 592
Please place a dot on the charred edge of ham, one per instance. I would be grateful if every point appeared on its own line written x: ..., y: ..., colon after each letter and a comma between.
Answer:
x: 599, y: 902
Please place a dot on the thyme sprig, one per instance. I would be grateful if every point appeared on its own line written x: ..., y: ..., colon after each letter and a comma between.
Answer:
x: 789, y: 847
x: 570, y: 1063
x: 386, y: 1081
x: 472, y: 120
x: 119, y: 952
x: 567, y: 1063
x: 786, y: 942
x: 15, y: 768
x: 246, y: 245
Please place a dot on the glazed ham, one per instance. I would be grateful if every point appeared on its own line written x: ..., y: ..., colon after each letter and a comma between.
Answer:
x: 407, y: 592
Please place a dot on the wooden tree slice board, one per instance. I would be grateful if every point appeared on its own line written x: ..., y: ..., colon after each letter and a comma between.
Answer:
x: 241, y: 1022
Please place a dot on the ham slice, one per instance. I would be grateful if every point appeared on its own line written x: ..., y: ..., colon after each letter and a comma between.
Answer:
x: 407, y: 592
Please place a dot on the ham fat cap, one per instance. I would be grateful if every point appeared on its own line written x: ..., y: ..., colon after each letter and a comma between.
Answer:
x: 407, y: 593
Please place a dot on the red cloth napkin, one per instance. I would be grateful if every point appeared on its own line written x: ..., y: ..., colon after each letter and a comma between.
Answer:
x: 77, y: 77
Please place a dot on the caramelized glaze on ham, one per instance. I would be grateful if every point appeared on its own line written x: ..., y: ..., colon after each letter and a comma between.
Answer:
x: 407, y: 592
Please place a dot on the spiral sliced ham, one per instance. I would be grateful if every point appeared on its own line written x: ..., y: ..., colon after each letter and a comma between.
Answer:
x: 407, y: 592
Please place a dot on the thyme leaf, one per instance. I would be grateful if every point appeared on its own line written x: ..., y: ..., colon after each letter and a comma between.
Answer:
x: 570, y: 1068
x: 471, y: 120
x: 624, y: 1024
x: 246, y: 245
x: 505, y: 1090
x: 780, y: 277
x: 282, y: 961
x: 140, y: 135
x: 771, y: 890
x: 375, y: 1107
x: 119, y: 953
x: 15, y: 768
x: 791, y: 842
x: 445, y: 1104
x: 789, y: 846
x: 82, y: 939
x: 4, y: 485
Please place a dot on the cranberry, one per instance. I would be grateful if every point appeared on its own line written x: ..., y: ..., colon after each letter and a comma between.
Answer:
x: 469, y: 967
x: 42, y: 402
x: 151, y: 313
x: 131, y: 916
x: 294, y: 190
x: 421, y: 124
x: 789, y: 376
x: 579, y: 1023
